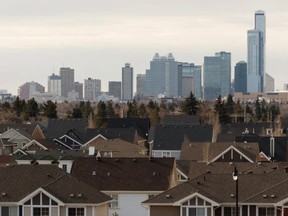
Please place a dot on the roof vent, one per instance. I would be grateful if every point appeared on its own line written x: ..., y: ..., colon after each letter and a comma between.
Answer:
x: 116, y: 160
x: 272, y: 196
x: 134, y: 160
x: 71, y: 195
x: 150, y: 159
x: 168, y: 196
x: 98, y: 158
x: 108, y: 174
x: 230, y: 163
x: 79, y: 195
x: 94, y: 173
x: 232, y: 195
x: 259, y: 163
x: 264, y: 196
x: 4, y: 194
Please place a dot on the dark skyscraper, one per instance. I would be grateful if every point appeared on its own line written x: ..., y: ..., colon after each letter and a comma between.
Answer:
x: 127, y: 82
x: 240, y: 77
x: 67, y: 80
x: 115, y: 89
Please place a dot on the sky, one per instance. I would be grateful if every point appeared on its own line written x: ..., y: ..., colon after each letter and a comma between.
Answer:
x: 96, y: 38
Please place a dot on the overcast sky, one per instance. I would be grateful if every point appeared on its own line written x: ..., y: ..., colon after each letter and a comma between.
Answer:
x: 96, y: 38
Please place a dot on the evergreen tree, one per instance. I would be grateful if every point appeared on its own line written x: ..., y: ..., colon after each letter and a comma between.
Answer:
x: 258, y: 112
x: 77, y: 113
x: 19, y: 106
x: 220, y: 109
x: 132, y: 111
x: 110, y: 110
x: 50, y: 109
x: 190, y: 105
x: 6, y: 106
x: 101, y: 115
x: 32, y: 108
x: 142, y: 111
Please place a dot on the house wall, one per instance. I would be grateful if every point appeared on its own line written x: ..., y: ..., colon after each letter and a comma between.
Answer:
x: 69, y: 164
x: 164, y: 210
x: 130, y: 205
x: 27, y: 211
x: 101, y: 210
x: 159, y: 153
x: 63, y: 211
x: 228, y: 158
x: 44, y: 161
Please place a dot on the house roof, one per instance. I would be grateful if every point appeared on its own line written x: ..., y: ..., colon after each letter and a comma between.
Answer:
x: 125, y: 174
x: 281, y: 153
x: 180, y: 120
x: 22, y: 180
x: 26, y: 128
x: 221, y: 188
x: 171, y: 137
x: 142, y: 125
x: 127, y: 134
x: 59, y: 127
x: 208, y: 151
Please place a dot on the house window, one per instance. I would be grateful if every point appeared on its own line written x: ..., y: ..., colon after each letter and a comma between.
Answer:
x: 9, y: 211
x: 40, y: 211
x: 263, y: 211
x: 64, y: 167
x: 114, y: 203
x: 166, y: 154
x: 196, y: 207
x: 230, y: 211
x: 76, y: 212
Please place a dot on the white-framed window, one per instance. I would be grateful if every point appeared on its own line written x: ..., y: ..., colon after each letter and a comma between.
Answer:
x: 266, y: 211
x: 166, y: 154
x: 114, y: 203
x: 181, y: 177
x: 76, y: 211
x: 196, y: 207
x: 40, y: 211
x: 230, y: 211
x: 64, y: 167
x: 9, y: 211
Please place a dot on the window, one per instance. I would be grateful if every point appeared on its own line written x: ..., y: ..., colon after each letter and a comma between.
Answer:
x: 263, y: 211
x: 8, y: 211
x: 41, y: 211
x: 166, y: 154
x: 196, y: 207
x: 114, y: 203
x: 230, y: 211
x: 76, y: 212
x: 64, y: 167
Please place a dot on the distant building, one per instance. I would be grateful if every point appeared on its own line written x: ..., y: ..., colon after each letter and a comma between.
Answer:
x: 240, y: 77
x: 217, y: 75
x: 127, y: 82
x: 256, y: 54
x: 78, y: 87
x: 140, y: 84
x: 26, y: 90
x: 67, y: 80
x: 92, y: 89
x: 54, y: 85
x: 270, y: 83
x: 163, y: 77
x: 191, y: 79
x: 115, y: 89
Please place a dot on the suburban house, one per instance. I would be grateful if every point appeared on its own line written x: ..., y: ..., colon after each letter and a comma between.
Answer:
x: 211, y: 194
x: 47, y: 190
x: 166, y: 140
x: 129, y: 181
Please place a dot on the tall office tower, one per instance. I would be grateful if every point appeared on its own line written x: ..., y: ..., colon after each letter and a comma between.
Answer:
x: 270, y: 83
x: 78, y: 87
x: 217, y: 75
x: 26, y: 90
x: 54, y: 84
x: 240, y: 77
x: 140, y: 84
x: 163, y: 77
x: 191, y: 79
x: 92, y: 89
x: 127, y: 82
x: 67, y: 80
x: 115, y: 89
x: 256, y: 55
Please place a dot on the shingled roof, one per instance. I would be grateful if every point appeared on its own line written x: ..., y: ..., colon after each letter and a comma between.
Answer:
x: 125, y: 174
x: 180, y: 120
x: 21, y: 180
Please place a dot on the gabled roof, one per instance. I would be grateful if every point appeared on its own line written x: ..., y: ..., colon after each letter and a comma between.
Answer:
x: 281, y: 150
x: 142, y: 125
x: 125, y: 174
x: 127, y: 134
x: 221, y: 188
x: 167, y: 137
x: 59, y: 127
x: 51, y: 179
x: 28, y: 128
x: 180, y: 120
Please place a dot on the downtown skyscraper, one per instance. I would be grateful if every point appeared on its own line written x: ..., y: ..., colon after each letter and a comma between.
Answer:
x: 256, y: 54
x: 127, y: 82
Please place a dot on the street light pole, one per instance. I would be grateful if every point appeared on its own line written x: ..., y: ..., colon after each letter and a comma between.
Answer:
x: 235, y: 178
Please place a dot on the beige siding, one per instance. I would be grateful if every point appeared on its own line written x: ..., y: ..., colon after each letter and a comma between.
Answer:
x: 88, y: 211
x: 62, y: 211
x: 101, y: 210
x: 26, y: 211
x: 54, y: 211
x: 164, y: 210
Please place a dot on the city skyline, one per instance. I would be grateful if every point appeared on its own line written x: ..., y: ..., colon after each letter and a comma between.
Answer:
x: 40, y: 37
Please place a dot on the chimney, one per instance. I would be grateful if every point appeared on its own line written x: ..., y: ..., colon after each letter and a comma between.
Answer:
x: 272, y: 146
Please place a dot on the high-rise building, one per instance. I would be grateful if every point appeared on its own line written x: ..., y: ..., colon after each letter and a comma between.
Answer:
x: 67, y: 81
x: 240, y: 77
x: 217, y: 75
x: 256, y: 54
x: 163, y: 76
x: 191, y: 79
x: 140, y: 84
x: 115, y: 89
x: 127, y: 82
x: 26, y: 90
x: 54, y: 85
x: 270, y: 83
x: 92, y: 89
x: 78, y: 87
